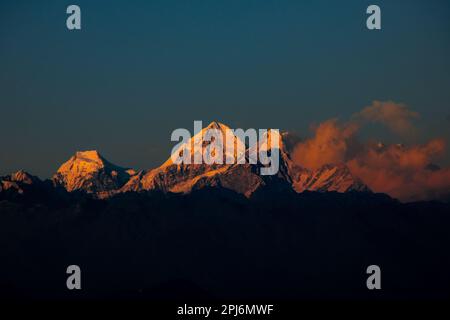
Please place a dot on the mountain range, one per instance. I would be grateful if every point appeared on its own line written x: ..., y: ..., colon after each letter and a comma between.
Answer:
x: 216, y: 232
x: 88, y: 172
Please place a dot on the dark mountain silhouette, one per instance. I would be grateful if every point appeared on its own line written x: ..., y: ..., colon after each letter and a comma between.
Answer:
x: 215, y: 243
x: 190, y: 232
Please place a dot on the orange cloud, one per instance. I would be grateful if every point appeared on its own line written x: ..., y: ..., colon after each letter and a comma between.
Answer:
x: 330, y: 144
x: 404, y: 172
x: 395, y: 116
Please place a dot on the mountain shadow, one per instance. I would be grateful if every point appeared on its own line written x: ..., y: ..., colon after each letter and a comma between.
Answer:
x: 218, y: 244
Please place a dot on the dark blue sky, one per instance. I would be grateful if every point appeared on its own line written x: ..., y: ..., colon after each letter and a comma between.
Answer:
x: 139, y: 69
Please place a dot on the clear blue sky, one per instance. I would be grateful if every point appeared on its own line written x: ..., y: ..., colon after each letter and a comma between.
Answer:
x: 139, y: 69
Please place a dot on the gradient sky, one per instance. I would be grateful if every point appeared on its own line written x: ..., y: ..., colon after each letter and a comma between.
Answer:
x: 140, y: 69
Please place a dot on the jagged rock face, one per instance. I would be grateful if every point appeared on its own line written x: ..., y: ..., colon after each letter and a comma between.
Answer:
x: 244, y: 178
x: 327, y: 178
x: 24, y: 177
x: 18, y: 181
x: 180, y: 178
x: 6, y: 185
x: 239, y: 178
x: 183, y: 178
x: 89, y: 172
x: 134, y: 184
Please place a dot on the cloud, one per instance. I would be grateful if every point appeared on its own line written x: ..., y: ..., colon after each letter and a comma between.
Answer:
x: 330, y: 144
x: 404, y: 172
x: 395, y: 116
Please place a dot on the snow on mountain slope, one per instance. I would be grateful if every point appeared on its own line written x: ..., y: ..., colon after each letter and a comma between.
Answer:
x: 13, y: 181
x: 89, y: 172
x: 327, y: 178
x: 197, y: 148
x: 19, y: 181
x: 242, y: 178
x: 182, y: 178
x: 331, y: 177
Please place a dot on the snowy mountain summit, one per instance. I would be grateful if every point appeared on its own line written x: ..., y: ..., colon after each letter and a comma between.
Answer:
x: 89, y: 172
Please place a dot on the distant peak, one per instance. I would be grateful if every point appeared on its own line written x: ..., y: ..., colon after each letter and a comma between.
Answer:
x: 89, y: 172
x: 87, y: 161
x: 21, y: 173
x: 89, y: 154
x: 269, y: 138
x: 22, y: 176
x: 380, y: 145
x: 217, y: 125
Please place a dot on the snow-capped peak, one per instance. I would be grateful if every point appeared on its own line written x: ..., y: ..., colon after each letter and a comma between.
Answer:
x: 216, y: 125
x: 82, y: 162
x: 88, y: 171
x: 219, y: 133
x: 89, y: 155
x: 24, y: 177
x: 271, y: 139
